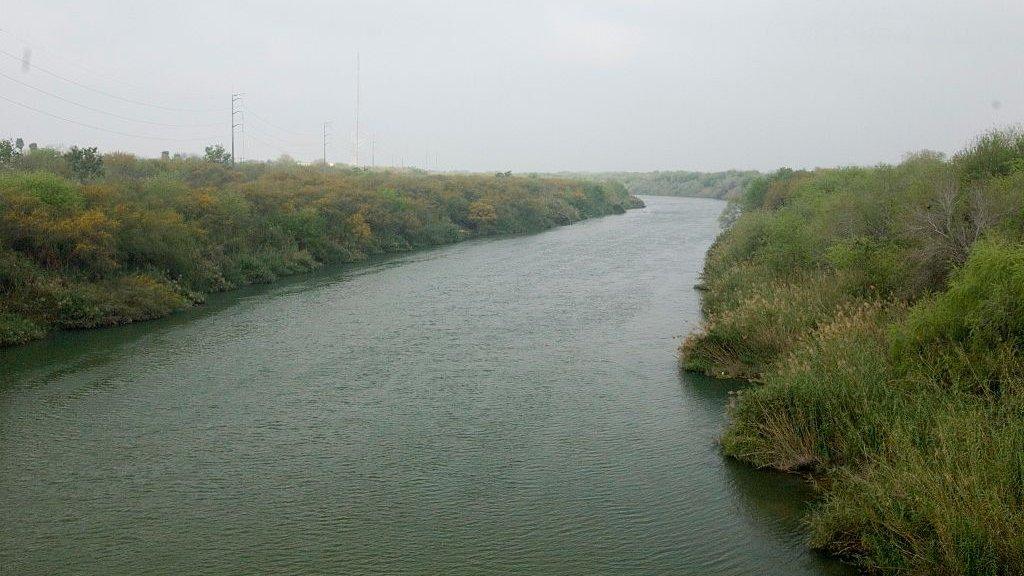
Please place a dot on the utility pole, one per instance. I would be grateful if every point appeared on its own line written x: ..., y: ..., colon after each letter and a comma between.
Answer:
x: 356, y: 155
x: 327, y: 126
x: 236, y: 98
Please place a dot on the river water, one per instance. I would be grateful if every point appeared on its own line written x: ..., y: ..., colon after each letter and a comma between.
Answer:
x: 505, y: 406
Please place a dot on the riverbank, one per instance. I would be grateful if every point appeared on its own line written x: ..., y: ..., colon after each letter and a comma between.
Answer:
x: 880, y: 310
x: 136, y: 239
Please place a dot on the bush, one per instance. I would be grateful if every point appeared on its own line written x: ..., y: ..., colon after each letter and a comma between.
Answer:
x: 983, y: 307
x: 50, y: 189
x: 996, y: 153
x: 119, y: 301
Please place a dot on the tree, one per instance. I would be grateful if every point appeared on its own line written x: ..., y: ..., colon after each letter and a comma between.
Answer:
x: 217, y: 155
x: 7, y: 152
x: 85, y: 163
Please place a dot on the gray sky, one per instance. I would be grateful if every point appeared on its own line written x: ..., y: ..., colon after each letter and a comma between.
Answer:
x: 477, y: 85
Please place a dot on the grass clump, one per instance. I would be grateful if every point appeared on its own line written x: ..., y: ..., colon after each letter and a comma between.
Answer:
x: 812, y: 411
x: 16, y: 329
x: 743, y: 340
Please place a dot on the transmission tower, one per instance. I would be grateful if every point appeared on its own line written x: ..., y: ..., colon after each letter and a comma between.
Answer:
x: 236, y: 111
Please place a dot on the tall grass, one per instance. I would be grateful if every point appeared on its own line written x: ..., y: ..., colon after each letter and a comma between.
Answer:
x: 743, y: 340
x: 883, y: 312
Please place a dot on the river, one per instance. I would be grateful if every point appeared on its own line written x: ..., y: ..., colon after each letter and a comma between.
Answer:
x: 507, y: 406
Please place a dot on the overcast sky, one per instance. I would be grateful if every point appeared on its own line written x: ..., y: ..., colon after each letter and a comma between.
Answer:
x: 522, y: 86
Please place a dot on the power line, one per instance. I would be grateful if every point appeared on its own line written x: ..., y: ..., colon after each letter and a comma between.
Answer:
x: 236, y: 113
x: 100, y: 128
x: 93, y: 71
x: 111, y: 114
x: 266, y: 144
x: 309, y: 144
x: 103, y: 92
x: 268, y: 123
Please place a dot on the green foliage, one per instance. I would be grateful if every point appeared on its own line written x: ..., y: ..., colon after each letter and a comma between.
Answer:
x: 882, y: 310
x: 49, y: 189
x: 722, y: 185
x: 85, y: 163
x: 143, y: 238
x: 983, y: 307
x: 42, y: 160
x: 745, y: 339
x: 993, y: 154
x: 217, y: 154
x: 15, y: 329
x: 118, y: 300
x: 8, y: 153
x: 942, y: 495
x: 811, y: 411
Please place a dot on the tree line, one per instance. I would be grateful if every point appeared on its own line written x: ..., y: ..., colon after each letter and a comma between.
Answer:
x: 89, y: 239
x: 721, y: 185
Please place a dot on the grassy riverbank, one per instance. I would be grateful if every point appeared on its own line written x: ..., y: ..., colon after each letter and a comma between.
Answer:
x: 89, y: 240
x: 882, y: 311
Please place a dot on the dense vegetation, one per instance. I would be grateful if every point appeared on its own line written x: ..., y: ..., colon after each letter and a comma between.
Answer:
x: 92, y: 240
x: 882, y: 311
x: 722, y: 185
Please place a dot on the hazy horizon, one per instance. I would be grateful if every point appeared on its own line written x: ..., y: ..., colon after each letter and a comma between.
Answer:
x: 523, y: 86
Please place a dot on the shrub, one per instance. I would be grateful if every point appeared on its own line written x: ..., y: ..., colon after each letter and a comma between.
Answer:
x: 996, y: 153
x: 983, y: 307
x: 49, y: 189
x: 119, y: 301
